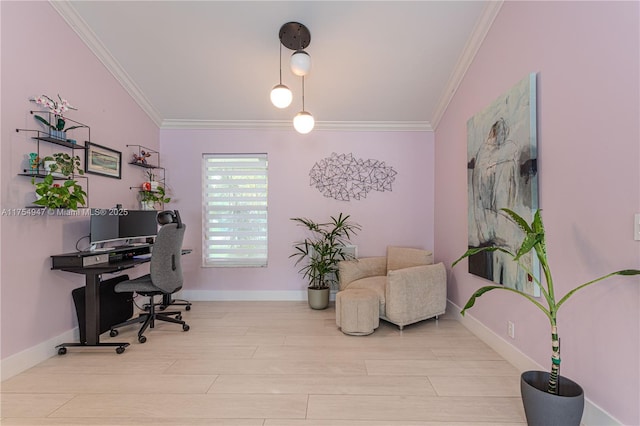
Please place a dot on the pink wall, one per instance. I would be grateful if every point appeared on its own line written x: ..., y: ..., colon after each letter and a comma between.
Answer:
x: 403, y: 216
x: 586, y: 57
x: 36, y: 302
x: 41, y: 54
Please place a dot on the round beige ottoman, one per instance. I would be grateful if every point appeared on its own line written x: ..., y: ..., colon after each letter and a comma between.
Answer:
x: 357, y: 311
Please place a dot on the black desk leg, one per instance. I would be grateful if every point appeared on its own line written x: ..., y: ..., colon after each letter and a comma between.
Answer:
x: 92, y: 318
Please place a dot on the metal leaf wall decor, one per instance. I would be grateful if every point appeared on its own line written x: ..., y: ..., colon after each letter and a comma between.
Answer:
x: 343, y: 177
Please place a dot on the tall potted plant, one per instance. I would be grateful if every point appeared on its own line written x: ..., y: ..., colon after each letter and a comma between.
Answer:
x: 322, y: 250
x: 548, y: 398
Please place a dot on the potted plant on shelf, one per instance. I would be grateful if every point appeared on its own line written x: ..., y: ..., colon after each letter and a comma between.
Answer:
x: 62, y: 164
x: 322, y: 250
x: 149, y: 199
x: 548, y: 397
x: 53, y: 195
x: 151, y: 180
x: 55, y: 126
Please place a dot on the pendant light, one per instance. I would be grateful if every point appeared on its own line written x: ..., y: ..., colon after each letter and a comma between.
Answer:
x: 281, y: 96
x: 300, y: 63
x: 303, y: 122
x: 294, y: 36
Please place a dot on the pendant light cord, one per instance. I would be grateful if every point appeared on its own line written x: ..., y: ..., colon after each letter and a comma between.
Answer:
x: 303, y: 92
x: 280, y: 63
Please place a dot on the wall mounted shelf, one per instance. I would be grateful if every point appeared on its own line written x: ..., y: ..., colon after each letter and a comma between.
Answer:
x: 43, y: 136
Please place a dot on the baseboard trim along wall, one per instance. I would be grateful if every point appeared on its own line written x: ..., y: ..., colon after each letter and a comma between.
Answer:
x: 593, y: 415
x: 17, y: 363
x: 214, y: 295
x: 247, y: 296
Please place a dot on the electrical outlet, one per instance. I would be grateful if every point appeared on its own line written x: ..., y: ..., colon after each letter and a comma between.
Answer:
x: 511, y: 330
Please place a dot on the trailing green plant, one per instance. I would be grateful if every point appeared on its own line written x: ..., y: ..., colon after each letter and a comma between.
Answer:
x: 157, y: 197
x: 53, y: 195
x: 65, y: 164
x: 534, y: 239
x: 323, y: 248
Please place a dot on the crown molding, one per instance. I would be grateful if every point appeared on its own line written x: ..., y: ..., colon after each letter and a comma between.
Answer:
x: 382, y: 126
x: 469, y: 52
x: 79, y: 25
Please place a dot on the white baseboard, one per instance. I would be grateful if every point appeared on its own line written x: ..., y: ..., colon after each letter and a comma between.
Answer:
x: 17, y: 363
x: 592, y: 416
x: 215, y: 295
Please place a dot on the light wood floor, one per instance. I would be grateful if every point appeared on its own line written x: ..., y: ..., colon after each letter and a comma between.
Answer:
x: 272, y: 364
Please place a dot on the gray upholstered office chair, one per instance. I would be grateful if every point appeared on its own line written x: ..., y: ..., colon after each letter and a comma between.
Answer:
x: 165, y: 276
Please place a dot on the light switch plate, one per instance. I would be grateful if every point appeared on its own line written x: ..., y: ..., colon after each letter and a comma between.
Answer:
x: 636, y: 227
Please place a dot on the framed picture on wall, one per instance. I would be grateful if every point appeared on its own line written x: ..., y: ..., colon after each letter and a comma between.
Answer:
x: 104, y: 161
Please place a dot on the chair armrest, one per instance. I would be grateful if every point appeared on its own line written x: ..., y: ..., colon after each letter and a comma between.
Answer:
x: 416, y: 293
x: 351, y: 270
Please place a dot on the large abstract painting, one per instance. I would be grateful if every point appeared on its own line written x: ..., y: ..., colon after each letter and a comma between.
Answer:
x: 502, y: 173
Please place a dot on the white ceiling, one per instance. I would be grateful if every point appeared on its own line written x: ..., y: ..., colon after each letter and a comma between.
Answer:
x: 212, y: 64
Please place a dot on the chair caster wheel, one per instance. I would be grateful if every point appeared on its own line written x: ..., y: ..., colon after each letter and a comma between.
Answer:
x: 188, y: 308
x: 62, y: 351
x: 120, y: 349
x: 162, y: 308
x: 113, y: 333
x: 185, y: 327
x: 142, y: 339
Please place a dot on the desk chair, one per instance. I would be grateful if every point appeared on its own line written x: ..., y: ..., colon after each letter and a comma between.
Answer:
x: 164, y: 218
x: 165, y: 277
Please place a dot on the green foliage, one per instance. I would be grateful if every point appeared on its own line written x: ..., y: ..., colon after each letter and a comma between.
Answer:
x: 68, y: 195
x: 534, y: 239
x: 322, y: 249
x: 65, y: 164
x: 157, y: 197
x: 59, y: 123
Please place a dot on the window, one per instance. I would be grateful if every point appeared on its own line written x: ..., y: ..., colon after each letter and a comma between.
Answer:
x: 234, y: 204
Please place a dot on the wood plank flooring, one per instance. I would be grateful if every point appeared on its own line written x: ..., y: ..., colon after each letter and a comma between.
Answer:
x: 272, y: 364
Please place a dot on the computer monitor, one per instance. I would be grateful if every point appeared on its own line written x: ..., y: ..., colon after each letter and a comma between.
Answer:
x: 138, y: 224
x: 103, y: 226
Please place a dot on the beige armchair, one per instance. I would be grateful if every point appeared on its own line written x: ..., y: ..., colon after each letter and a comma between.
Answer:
x: 408, y: 286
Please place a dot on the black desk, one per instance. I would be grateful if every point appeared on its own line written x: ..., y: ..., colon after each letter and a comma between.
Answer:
x: 119, y: 260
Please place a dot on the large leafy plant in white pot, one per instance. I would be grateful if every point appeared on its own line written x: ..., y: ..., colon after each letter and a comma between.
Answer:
x: 548, y: 398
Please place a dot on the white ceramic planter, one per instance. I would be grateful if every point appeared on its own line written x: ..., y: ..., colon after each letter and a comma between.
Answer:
x: 147, y: 205
x: 47, y: 168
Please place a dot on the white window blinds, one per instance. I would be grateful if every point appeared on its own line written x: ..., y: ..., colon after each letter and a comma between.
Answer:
x: 234, y: 209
